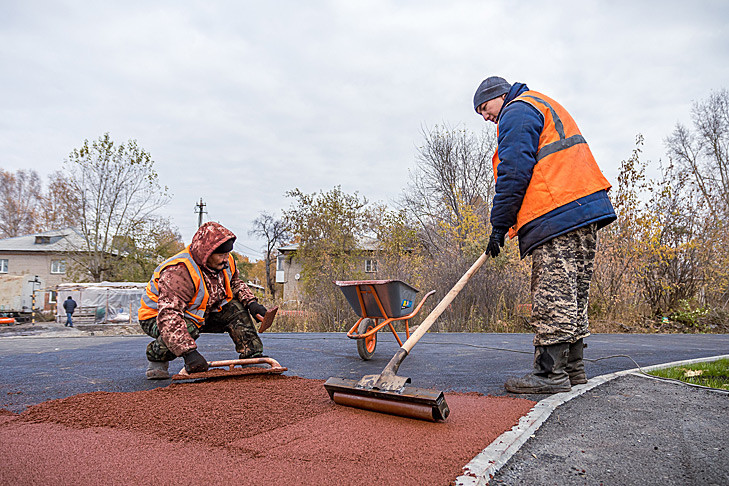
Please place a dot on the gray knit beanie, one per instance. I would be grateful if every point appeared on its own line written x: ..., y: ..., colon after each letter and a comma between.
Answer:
x: 489, y: 89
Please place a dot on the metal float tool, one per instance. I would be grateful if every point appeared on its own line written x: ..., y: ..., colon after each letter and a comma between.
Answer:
x: 236, y: 367
x: 231, y: 367
x: 388, y: 392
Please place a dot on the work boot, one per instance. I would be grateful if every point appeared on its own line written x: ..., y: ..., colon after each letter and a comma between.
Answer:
x: 157, y: 370
x: 255, y: 354
x: 575, y: 365
x: 549, y: 375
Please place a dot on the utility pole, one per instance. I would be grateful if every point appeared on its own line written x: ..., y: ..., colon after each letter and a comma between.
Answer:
x: 199, y: 209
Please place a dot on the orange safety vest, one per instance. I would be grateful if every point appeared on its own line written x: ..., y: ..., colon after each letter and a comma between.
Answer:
x: 198, y: 304
x: 565, y: 170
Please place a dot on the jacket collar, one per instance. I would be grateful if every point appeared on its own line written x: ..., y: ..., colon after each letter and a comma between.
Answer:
x: 516, y: 90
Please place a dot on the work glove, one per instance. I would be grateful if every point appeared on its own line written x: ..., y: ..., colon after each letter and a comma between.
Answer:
x: 256, y: 309
x: 496, y: 241
x: 194, y: 362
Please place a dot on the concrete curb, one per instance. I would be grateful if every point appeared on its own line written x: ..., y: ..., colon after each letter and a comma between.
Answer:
x: 484, y: 466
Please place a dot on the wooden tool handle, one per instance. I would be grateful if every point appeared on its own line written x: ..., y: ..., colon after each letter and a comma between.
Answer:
x: 435, y: 313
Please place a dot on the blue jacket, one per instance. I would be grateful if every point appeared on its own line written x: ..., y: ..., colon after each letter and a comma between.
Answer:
x: 69, y: 305
x: 520, y: 125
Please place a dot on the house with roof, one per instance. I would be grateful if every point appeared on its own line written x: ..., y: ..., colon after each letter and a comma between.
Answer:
x: 289, y: 269
x: 32, y: 266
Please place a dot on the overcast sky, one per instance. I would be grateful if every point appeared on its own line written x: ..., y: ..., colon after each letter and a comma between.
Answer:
x: 240, y: 101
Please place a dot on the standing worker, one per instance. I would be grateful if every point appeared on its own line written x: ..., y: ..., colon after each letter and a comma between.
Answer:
x: 550, y: 193
x: 198, y: 290
x: 69, y: 305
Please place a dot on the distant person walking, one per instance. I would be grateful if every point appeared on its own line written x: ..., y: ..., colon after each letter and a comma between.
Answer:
x: 69, y: 305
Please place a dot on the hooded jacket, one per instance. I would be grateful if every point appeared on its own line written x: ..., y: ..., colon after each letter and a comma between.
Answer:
x: 520, y: 126
x: 178, y: 292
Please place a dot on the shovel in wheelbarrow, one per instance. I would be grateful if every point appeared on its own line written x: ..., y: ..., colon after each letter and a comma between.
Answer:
x: 388, y: 392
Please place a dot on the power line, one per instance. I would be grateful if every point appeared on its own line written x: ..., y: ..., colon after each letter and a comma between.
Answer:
x: 251, y: 249
x: 241, y: 245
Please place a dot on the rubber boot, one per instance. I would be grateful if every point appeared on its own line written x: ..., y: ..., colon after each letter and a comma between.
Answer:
x: 157, y: 370
x: 549, y: 375
x: 575, y: 365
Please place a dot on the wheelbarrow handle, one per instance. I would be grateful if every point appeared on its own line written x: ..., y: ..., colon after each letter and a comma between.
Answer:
x: 417, y: 308
x: 435, y: 313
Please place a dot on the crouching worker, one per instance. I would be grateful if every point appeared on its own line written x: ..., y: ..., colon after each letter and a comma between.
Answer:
x: 198, y: 290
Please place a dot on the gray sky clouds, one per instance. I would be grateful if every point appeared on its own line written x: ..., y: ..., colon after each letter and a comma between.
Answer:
x: 239, y: 102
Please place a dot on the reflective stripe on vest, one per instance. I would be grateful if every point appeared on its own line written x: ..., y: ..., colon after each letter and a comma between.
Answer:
x: 564, y: 142
x: 198, y: 304
x: 563, y: 158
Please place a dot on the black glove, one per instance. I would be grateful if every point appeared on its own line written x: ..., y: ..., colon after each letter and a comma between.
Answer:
x: 496, y: 241
x: 194, y: 362
x: 256, y: 309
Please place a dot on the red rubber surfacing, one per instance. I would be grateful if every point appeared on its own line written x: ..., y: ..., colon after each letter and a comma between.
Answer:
x: 246, y: 430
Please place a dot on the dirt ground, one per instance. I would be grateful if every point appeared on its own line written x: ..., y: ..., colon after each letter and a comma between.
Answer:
x: 246, y: 430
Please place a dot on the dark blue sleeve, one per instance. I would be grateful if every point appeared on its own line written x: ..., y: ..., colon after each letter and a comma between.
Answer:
x: 519, y: 128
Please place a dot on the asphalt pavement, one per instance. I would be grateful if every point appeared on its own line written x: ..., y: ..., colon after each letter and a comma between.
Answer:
x: 627, y: 430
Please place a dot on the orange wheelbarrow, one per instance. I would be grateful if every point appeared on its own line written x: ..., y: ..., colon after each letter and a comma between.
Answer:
x: 379, y: 303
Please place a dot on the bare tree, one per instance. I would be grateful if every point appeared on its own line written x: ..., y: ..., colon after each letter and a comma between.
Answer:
x: 450, y: 195
x: 118, y: 190
x: 703, y: 153
x: 275, y: 232
x: 20, y: 195
x: 453, y: 170
x: 59, y: 206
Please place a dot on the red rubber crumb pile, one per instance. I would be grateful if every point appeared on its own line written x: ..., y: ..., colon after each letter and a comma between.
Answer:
x: 249, y: 430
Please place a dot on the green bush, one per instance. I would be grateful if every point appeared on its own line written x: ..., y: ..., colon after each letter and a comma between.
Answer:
x: 687, y: 315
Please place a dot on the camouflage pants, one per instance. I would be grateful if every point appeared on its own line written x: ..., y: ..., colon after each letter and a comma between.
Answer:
x: 561, y: 273
x: 233, y: 318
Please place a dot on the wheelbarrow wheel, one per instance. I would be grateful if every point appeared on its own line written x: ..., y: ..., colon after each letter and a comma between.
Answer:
x: 366, y: 347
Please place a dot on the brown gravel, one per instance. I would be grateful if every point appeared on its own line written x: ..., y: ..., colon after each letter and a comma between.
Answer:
x: 246, y: 430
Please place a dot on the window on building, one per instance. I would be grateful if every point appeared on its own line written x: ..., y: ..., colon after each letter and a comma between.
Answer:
x: 280, y: 274
x: 4, y: 265
x: 52, y: 297
x: 42, y: 240
x: 58, y: 266
x: 370, y: 266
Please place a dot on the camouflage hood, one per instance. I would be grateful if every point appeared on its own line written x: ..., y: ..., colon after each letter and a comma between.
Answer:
x: 206, y: 239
